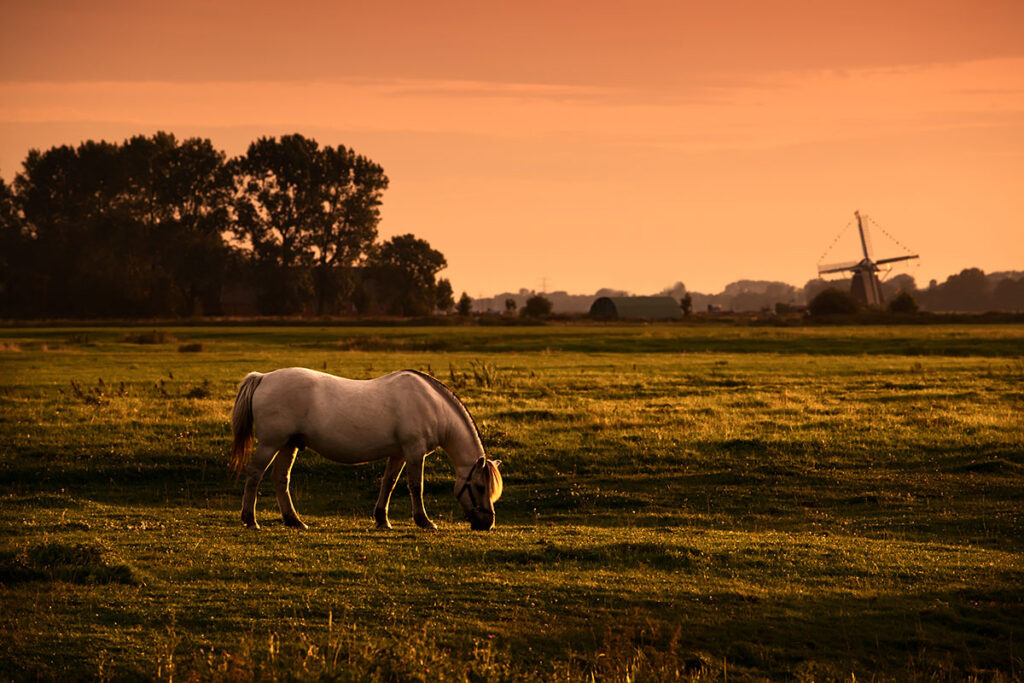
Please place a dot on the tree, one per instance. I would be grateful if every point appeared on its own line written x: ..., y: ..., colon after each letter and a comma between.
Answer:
x: 12, y: 253
x: 445, y: 296
x: 686, y: 303
x: 903, y: 303
x: 1009, y: 294
x: 465, y: 305
x: 892, y: 287
x: 300, y: 207
x: 833, y: 301
x: 968, y: 290
x: 537, y: 307
x: 404, y: 271
x: 182, y: 194
x: 813, y: 288
x: 124, y: 229
x: 510, y: 306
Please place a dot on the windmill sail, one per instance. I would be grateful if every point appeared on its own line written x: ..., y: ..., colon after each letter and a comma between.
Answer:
x: 837, y: 267
x: 895, y: 259
x: 865, y: 236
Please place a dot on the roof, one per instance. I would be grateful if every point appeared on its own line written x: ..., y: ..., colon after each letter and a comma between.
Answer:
x: 650, y: 307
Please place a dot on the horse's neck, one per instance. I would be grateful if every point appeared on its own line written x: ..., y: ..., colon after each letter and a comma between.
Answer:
x: 461, y: 442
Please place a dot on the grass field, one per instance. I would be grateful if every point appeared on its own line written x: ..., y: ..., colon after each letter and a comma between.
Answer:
x: 695, y: 502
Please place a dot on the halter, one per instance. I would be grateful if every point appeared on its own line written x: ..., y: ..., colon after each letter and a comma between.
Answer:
x: 467, y: 487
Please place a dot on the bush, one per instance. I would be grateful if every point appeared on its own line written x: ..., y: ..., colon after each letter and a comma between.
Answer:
x: 154, y: 337
x: 903, y: 303
x: 833, y: 301
x: 537, y: 307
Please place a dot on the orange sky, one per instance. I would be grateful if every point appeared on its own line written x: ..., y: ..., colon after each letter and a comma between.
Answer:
x: 594, y: 144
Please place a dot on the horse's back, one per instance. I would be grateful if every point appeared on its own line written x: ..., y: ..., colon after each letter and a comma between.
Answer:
x: 345, y: 419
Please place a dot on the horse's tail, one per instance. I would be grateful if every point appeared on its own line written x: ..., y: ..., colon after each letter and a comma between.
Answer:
x: 242, y: 423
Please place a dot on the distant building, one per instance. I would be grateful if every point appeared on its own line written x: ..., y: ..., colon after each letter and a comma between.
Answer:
x: 636, y: 307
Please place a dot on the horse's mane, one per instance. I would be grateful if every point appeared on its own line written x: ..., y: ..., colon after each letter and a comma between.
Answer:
x: 494, y: 482
x: 452, y: 398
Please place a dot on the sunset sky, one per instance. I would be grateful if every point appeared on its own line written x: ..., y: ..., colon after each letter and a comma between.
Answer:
x: 591, y: 144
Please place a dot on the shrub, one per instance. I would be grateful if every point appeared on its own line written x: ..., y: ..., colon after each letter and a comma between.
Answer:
x: 201, y: 391
x: 833, y: 301
x: 537, y: 307
x: 903, y: 303
x: 191, y: 347
x: 154, y: 337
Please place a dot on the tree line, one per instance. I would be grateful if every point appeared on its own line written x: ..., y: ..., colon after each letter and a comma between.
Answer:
x: 970, y: 290
x: 155, y: 226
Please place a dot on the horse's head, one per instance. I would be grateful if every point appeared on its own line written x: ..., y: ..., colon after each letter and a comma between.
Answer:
x: 477, y: 492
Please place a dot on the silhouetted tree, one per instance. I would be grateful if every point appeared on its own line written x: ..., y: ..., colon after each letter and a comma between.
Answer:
x: 833, y: 301
x: 892, y: 287
x: 301, y: 208
x: 686, y: 303
x: 537, y: 307
x: 182, y: 194
x: 465, y: 305
x: 404, y: 269
x: 129, y: 229
x: 903, y: 302
x: 813, y: 288
x: 13, y: 242
x: 969, y: 290
x: 445, y: 296
x: 1009, y: 294
x: 510, y: 306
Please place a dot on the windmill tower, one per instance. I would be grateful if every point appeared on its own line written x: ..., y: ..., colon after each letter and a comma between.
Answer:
x: 865, y: 287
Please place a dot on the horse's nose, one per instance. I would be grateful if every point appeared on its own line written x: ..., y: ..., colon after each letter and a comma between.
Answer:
x: 482, y: 522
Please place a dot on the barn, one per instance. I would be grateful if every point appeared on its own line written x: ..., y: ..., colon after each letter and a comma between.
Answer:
x: 634, y: 307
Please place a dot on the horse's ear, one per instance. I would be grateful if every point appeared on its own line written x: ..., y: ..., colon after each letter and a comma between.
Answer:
x: 496, y: 463
x: 481, y: 462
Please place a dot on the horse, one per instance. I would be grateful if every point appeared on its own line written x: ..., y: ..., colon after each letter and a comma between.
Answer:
x: 401, y: 417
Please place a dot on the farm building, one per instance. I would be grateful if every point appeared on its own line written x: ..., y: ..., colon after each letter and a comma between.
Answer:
x: 627, y: 307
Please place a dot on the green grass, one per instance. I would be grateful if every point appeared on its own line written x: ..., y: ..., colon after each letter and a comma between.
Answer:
x: 692, y: 502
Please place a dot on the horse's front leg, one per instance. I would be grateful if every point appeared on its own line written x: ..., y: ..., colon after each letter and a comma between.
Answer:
x: 282, y: 478
x: 414, y: 477
x: 387, y: 485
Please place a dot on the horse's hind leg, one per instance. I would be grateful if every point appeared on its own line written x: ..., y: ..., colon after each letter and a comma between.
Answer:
x: 282, y: 475
x: 387, y: 485
x: 258, y: 464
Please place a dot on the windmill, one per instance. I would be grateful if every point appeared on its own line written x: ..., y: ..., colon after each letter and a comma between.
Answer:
x: 865, y: 287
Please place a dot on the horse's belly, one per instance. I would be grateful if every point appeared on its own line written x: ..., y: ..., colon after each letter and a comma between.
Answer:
x: 352, y: 448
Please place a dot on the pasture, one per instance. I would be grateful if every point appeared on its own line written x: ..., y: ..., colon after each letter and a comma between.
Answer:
x: 681, y: 502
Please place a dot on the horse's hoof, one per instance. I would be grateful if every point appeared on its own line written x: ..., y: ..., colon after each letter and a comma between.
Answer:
x: 295, y: 523
x: 253, y: 526
x: 384, y: 526
x: 424, y: 523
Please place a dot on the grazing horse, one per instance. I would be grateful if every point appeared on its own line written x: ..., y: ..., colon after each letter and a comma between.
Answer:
x: 399, y: 417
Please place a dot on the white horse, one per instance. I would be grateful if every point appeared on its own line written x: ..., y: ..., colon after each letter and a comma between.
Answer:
x: 400, y: 417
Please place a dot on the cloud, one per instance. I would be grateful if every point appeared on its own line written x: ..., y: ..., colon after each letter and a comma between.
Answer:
x: 771, y: 111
